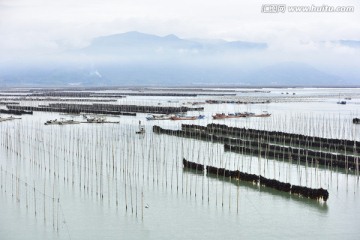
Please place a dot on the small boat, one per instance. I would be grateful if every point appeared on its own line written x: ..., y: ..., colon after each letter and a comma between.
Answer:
x: 68, y: 122
x: 141, y: 129
x: 230, y: 115
x: 61, y: 122
x: 264, y: 114
x: 249, y: 114
x: 197, y: 103
x: 49, y: 122
x: 8, y: 118
x: 158, y: 117
x: 240, y: 115
x: 96, y: 120
x: 179, y: 117
x: 342, y: 102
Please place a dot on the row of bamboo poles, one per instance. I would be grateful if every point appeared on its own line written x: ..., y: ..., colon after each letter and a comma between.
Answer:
x: 113, y: 165
x: 274, y: 147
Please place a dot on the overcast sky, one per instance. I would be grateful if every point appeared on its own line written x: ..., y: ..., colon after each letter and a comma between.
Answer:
x: 50, y: 26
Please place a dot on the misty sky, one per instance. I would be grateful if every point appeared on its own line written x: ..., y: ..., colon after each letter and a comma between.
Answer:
x: 29, y: 27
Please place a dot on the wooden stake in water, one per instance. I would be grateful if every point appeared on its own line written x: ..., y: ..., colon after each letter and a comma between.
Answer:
x: 237, y: 197
x: 230, y: 194
x: 44, y: 202
x: 116, y: 192
x: 53, y: 204
x: 142, y: 205
x: 26, y: 194
x: 34, y: 199
x: 126, y: 207
x: 57, y: 215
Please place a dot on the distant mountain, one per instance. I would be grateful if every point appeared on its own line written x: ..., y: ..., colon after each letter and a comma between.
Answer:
x: 141, y: 43
x: 135, y: 58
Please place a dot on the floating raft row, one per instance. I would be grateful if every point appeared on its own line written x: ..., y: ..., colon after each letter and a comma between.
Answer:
x: 115, y: 95
x: 15, y: 112
x: 81, y: 94
x: 100, y: 122
x: 70, y: 122
x: 122, y: 92
x: 8, y: 119
x: 52, y: 99
x: 279, y: 137
x: 297, y: 155
x: 68, y: 110
x: 7, y: 102
x: 235, y: 102
x: 129, y: 110
x: 266, y: 150
x: 306, y: 192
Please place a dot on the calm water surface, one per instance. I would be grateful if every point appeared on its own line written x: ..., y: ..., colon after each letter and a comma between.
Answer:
x: 106, y: 182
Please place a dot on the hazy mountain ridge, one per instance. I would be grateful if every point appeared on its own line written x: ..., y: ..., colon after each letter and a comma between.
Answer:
x: 135, y: 58
x: 141, y: 43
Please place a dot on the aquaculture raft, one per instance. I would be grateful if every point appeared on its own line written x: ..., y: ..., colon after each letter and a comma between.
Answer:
x: 306, y: 192
x: 255, y: 145
x: 97, y: 108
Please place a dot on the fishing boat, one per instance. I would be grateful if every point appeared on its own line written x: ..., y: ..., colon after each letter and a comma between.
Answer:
x: 197, y: 103
x: 49, y: 122
x: 230, y: 115
x: 342, y: 102
x: 158, y: 117
x: 68, y: 122
x: 141, y: 129
x: 61, y: 122
x: 249, y: 114
x: 240, y: 115
x: 96, y: 120
x: 263, y: 114
x: 180, y: 117
x: 8, y: 118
